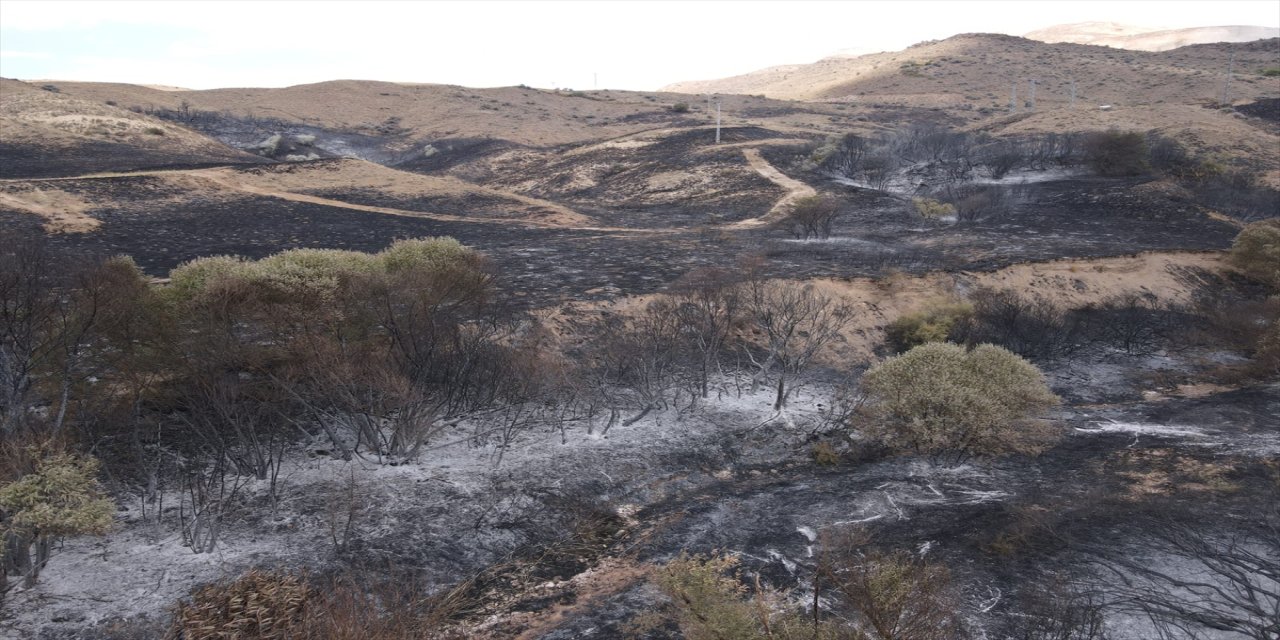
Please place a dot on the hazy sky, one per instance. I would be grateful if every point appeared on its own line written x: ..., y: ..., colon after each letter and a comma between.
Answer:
x: 626, y: 45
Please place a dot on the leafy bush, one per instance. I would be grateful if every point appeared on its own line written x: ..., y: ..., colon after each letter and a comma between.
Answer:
x: 932, y: 324
x: 190, y: 278
x: 1116, y: 153
x: 880, y: 596
x: 933, y: 209
x: 1256, y: 252
x: 424, y: 253
x: 1271, y: 72
x: 680, y: 107
x: 59, y: 498
x: 940, y: 398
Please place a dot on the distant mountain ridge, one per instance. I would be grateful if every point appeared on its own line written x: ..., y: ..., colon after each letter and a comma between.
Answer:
x: 1123, y: 36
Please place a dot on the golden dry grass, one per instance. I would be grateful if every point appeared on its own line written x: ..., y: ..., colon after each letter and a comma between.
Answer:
x: 62, y: 212
x: 30, y: 115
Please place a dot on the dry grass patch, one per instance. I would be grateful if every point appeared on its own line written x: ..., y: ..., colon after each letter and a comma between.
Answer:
x: 62, y: 212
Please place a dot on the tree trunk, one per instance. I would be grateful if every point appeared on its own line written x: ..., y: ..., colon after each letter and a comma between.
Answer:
x: 62, y: 402
x: 781, y: 401
x: 44, y: 546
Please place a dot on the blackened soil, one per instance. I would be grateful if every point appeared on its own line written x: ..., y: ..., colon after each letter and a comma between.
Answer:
x: 1267, y: 109
x: 447, y: 153
x: 470, y: 204
x: 998, y: 526
x: 30, y: 161
x: 160, y: 226
x: 1079, y: 218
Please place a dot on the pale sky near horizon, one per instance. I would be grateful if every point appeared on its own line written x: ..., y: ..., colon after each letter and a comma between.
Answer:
x: 615, y: 44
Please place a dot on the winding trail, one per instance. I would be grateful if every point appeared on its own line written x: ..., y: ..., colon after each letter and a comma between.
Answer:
x: 795, y: 191
x: 224, y: 178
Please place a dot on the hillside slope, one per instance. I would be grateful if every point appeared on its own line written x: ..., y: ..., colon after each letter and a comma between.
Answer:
x: 976, y: 70
x: 46, y: 133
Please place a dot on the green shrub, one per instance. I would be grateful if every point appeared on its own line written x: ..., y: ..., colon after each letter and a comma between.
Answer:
x: 1256, y: 252
x: 60, y: 498
x: 424, y: 253
x: 933, y: 209
x: 711, y: 603
x: 932, y: 324
x: 328, y: 261
x: 153, y: 131
x: 882, y: 596
x: 680, y: 107
x: 190, y: 278
x: 1271, y: 72
x: 940, y: 398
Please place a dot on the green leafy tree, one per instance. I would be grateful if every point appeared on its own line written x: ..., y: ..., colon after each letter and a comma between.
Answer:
x: 941, y: 399
x: 60, y: 498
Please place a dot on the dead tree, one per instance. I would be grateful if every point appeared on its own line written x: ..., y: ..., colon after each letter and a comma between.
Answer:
x: 810, y: 217
x: 796, y: 323
x: 1214, y: 582
x: 707, y: 304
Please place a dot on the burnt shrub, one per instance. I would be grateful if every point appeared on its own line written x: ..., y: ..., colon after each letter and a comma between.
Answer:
x: 970, y: 202
x: 1031, y: 326
x: 1116, y: 153
x: 1137, y: 324
x: 1237, y: 193
x: 810, y: 217
x: 1167, y: 156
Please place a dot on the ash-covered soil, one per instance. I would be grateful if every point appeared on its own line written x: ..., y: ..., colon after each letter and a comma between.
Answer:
x: 31, y: 161
x: 730, y: 476
x: 161, y: 226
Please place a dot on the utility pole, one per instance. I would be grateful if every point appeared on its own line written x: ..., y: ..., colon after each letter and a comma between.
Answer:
x: 1226, y: 82
x: 1073, y: 93
x: 1013, y: 98
x: 717, y: 121
x: 1031, y: 100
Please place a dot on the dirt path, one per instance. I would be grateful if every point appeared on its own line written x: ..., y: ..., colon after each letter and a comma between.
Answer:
x: 224, y: 178
x: 795, y: 191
